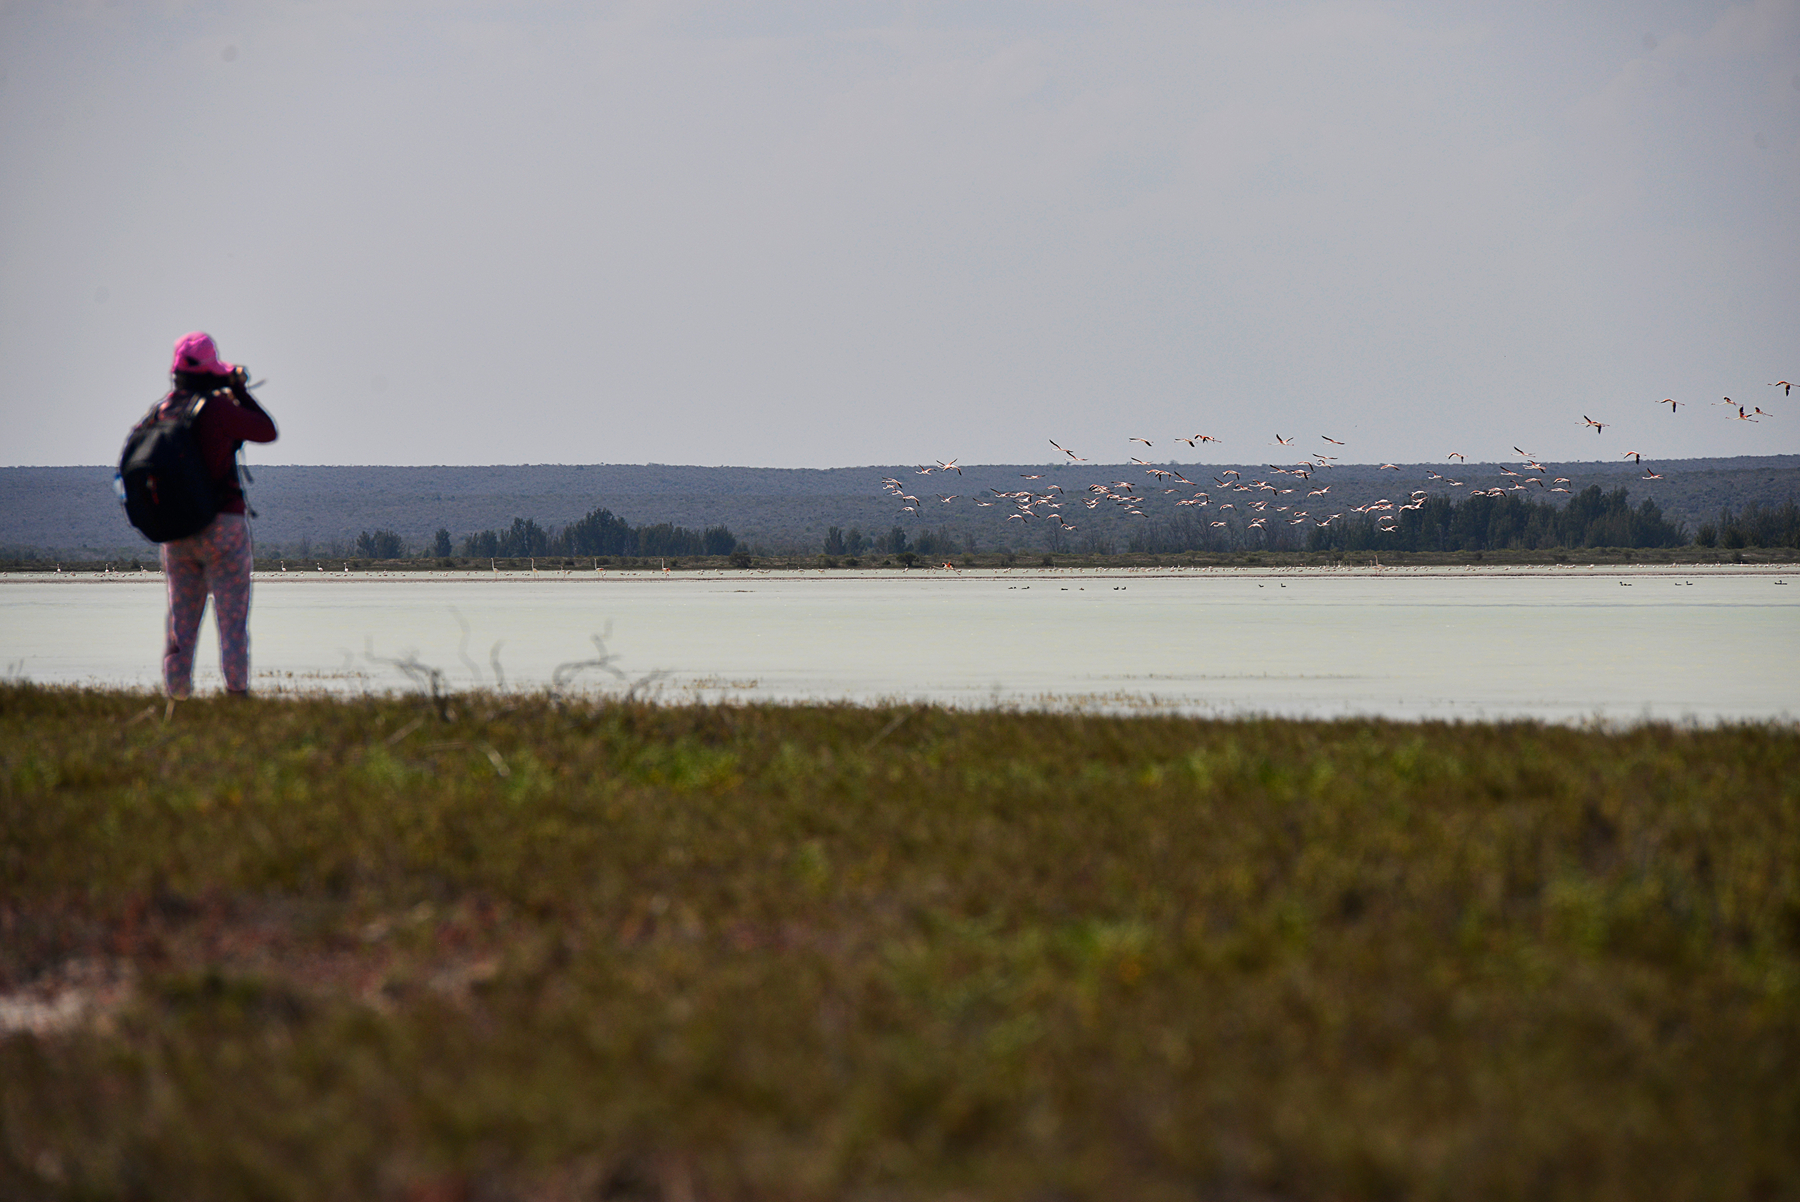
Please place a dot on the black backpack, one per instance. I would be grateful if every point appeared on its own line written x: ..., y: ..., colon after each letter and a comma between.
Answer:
x: 163, y: 481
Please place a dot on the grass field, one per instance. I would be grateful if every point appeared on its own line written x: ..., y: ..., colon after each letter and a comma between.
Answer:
x: 511, y: 948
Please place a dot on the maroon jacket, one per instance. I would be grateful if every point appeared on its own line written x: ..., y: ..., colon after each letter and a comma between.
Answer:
x: 226, y: 422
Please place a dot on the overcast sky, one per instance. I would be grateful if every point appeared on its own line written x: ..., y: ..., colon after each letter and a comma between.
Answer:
x: 811, y: 234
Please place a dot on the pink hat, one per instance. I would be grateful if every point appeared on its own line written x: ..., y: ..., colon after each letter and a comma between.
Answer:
x: 197, y: 352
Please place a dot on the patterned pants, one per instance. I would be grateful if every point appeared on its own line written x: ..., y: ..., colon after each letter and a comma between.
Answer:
x: 217, y: 561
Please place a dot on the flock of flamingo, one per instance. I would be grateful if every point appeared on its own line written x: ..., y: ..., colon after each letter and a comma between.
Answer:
x: 1128, y: 497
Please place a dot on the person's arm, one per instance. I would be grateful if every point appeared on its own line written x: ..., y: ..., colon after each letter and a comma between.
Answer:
x: 244, y: 419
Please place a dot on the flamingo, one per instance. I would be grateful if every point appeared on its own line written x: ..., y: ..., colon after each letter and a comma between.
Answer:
x: 1671, y: 402
x: 1598, y: 426
x: 1786, y: 388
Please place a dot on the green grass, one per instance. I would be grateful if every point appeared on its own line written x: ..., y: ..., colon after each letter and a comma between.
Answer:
x: 530, y: 950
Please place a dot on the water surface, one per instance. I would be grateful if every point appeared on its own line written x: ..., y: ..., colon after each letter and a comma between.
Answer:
x: 1554, y: 644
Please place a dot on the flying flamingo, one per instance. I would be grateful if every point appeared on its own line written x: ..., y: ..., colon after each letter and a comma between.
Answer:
x: 1671, y: 402
x: 1598, y: 426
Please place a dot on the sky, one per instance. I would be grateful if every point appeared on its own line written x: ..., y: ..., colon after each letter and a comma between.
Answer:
x: 799, y: 234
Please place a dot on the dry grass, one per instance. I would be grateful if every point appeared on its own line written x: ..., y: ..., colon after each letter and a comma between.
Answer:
x: 338, y: 949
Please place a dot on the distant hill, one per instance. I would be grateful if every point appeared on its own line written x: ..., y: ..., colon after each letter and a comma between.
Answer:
x: 70, y: 511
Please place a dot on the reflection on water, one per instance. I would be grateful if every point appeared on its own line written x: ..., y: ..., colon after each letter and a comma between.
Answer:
x: 1562, y: 644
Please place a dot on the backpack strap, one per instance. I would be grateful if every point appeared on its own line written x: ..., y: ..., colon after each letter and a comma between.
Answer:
x: 224, y: 490
x: 156, y: 409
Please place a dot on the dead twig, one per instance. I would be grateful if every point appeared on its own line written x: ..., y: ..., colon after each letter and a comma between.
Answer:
x: 500, y: 768
x: 424, y: 675
x: 892, y: 726
x: 643, y: 680
x: 566, y: 672
x: 488, y: 749
x: 462, y: 647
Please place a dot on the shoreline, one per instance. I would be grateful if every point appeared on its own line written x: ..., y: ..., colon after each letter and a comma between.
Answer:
x: 1168, y: 572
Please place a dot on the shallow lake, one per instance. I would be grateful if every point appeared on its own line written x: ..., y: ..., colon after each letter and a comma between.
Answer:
x: 1565, y: 644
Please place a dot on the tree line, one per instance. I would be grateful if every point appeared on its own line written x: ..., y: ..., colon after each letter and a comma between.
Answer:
x: 1753, y: 526
x: 1592, y: 518
x: 599, y: 533
x: 896, y: 542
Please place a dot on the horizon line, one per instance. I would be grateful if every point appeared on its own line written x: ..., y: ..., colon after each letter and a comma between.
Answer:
x: 1623, y: 461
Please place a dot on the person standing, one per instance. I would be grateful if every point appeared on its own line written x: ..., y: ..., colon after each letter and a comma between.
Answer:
x: 217, y: 560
